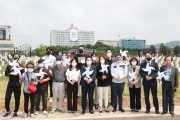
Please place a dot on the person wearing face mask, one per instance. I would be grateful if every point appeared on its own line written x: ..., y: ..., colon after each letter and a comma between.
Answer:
x: 52, y: 61
x: 58, y: 74
x: 95, y: 63
x: 88, y: 75
x: 103, y: 75
x: 72, y: 76
x: 109, y: 60
x: 118, y: 72
x: 27, y: 78
x: 80, y: 58
x: 134, y: 85
x: 150, y: 82
x: 13, y: 86
x: 42, y: 87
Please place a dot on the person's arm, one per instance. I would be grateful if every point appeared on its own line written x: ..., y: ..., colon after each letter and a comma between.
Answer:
x: 35, y: 79
x: 138, y: 76
x: 125, y: 72
x: 156, y: 71
x: 7, y: 71
x: 176, y: 83
x: 21, y: 78
x: 94, y: 73
x: 67, y: 75
x: 112, y: 72
x: 141, y: 72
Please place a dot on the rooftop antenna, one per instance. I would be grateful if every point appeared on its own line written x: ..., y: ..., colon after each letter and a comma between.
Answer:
x: 72, y: 25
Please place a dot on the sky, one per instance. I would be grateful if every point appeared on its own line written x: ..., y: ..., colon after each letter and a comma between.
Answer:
x: 31, y: 21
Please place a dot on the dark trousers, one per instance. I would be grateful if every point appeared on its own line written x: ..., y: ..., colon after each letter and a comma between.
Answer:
x: 28, y: 96
x: 154, y: 95
x: 44, y: 94
x: 168, y: 97
x: 118, y: 89
x: 135, y: 98
x: 50, y: 87
x: 17, y: 94
x: 87, y: 90
x: 72, y: 91
x: 110, y: 82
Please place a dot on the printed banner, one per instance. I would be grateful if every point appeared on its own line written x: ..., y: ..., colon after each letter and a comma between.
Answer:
x: 73, y: 35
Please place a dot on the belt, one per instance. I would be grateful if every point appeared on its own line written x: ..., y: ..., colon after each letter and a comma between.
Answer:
x: 59, y: 81
x: 168, y: 81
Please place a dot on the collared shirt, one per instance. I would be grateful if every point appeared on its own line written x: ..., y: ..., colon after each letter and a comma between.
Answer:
x: 51, y: 59
x: 118, y: 70
x: 59, y: 73
x: 73, y: 74
x: 168, y: 73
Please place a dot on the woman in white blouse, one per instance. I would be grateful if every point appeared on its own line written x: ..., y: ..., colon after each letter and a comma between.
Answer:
x: 73, y: 76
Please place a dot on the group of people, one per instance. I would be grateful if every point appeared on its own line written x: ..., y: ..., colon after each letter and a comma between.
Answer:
x: 95, y: 76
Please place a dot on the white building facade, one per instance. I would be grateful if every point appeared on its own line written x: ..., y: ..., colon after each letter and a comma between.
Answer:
x: 114, y: 43
x: 72, y: 36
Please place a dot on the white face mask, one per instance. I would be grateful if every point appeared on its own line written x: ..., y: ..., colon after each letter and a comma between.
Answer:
x: 30, y: 70
x: 133, y: 63
x: 109, y: 54
x: 41, y: 65
x: 64, y: 57
x: 58, y: 62
x: 88, y: 62
x: 94, y: 58
x: 102, y: 61
x: 74, y: 64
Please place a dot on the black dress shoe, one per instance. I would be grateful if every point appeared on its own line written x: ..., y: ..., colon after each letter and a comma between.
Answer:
x: 107, y: 111
x: 15, y: 114
x: 147, y: 111
x: 163, y: 113
x: 132, y: 110
x: 7, y: 113
x: 172, y: 113
x: 122, y: 110
x: 100, y: 111
x: 96, y: 106
x: 83, y: 112
x: 114, y: 110
x: 157, y: 112
x: 91, y: 111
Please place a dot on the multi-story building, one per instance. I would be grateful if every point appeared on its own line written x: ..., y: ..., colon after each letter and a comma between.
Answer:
x: 132, y: 43
x: 6, y: 44
x: 114, y: 43
x: 71, y: 36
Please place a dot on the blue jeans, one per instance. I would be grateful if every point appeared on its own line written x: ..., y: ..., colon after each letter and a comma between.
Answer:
x: 118, y: 89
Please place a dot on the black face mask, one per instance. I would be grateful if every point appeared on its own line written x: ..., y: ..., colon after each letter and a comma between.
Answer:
x: 48, y: 53
x: 80, y: 50
x: 148, y: 59
x: 16, y: 58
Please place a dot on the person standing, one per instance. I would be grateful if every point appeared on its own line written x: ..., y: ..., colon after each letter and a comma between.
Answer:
x: 13, y: 86
x: 50, y: 61
x: 109, y: 60
x: 95, y: 63
x: 80, y: 58
x: 88, y: 73
x: 29, y: 77
x: 170, y: 85
x: 148, y: 70
x: 42, y: 87
x: 118, y: 72
x: 103, y: 75
x: 134, y: 84
x: 58, y: 73
x: 73, y: 76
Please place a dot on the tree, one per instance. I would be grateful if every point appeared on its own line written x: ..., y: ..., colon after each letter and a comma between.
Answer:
x: 163, y: 49
x: 176, y: 50
x: 40, y: 51
x: 152, y: 49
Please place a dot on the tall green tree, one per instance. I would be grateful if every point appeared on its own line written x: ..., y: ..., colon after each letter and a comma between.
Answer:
x: 176, y: 50
x: 40, y: 50
x: 152, y: 49
x: 163, y: 49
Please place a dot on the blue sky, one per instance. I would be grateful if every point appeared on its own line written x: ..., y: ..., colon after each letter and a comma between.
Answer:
x: 32, y: 20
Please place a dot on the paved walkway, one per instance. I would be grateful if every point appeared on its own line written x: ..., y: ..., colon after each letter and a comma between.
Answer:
x: 128, y: 115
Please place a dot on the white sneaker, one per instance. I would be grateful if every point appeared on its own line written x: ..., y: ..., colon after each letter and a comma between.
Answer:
x: 36, y: 113
x: 32, y: 115
x: 50, y: 99
x: 52, y: 111
x: 25, y: 115
x: 44, y: 112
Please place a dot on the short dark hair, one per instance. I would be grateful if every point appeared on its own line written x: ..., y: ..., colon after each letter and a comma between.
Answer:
x: 48, y: 48
x: 148, y: 53
x: 168, y: 56
x: 134, y: 58
x: 93, y: 54
x: 81, y: 46
x: 117, y: 55
x: 16, y: 54
x: 70, y: 68
x: 102, y: 57
x: 40, y: 61
x: 30, y: 64
x: 108, y: 49
x: 64, y: 53
x: 89, y: 57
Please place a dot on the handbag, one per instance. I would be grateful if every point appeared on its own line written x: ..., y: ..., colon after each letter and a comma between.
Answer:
x: 31, y: 87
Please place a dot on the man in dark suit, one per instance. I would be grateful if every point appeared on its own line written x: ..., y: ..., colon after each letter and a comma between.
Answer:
x: 169, y: 85
x: 148, y: 70
x: 88, y: 73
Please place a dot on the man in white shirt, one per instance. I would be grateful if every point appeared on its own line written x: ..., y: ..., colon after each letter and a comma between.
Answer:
x: 118, y: 72
x: 50, y: 61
